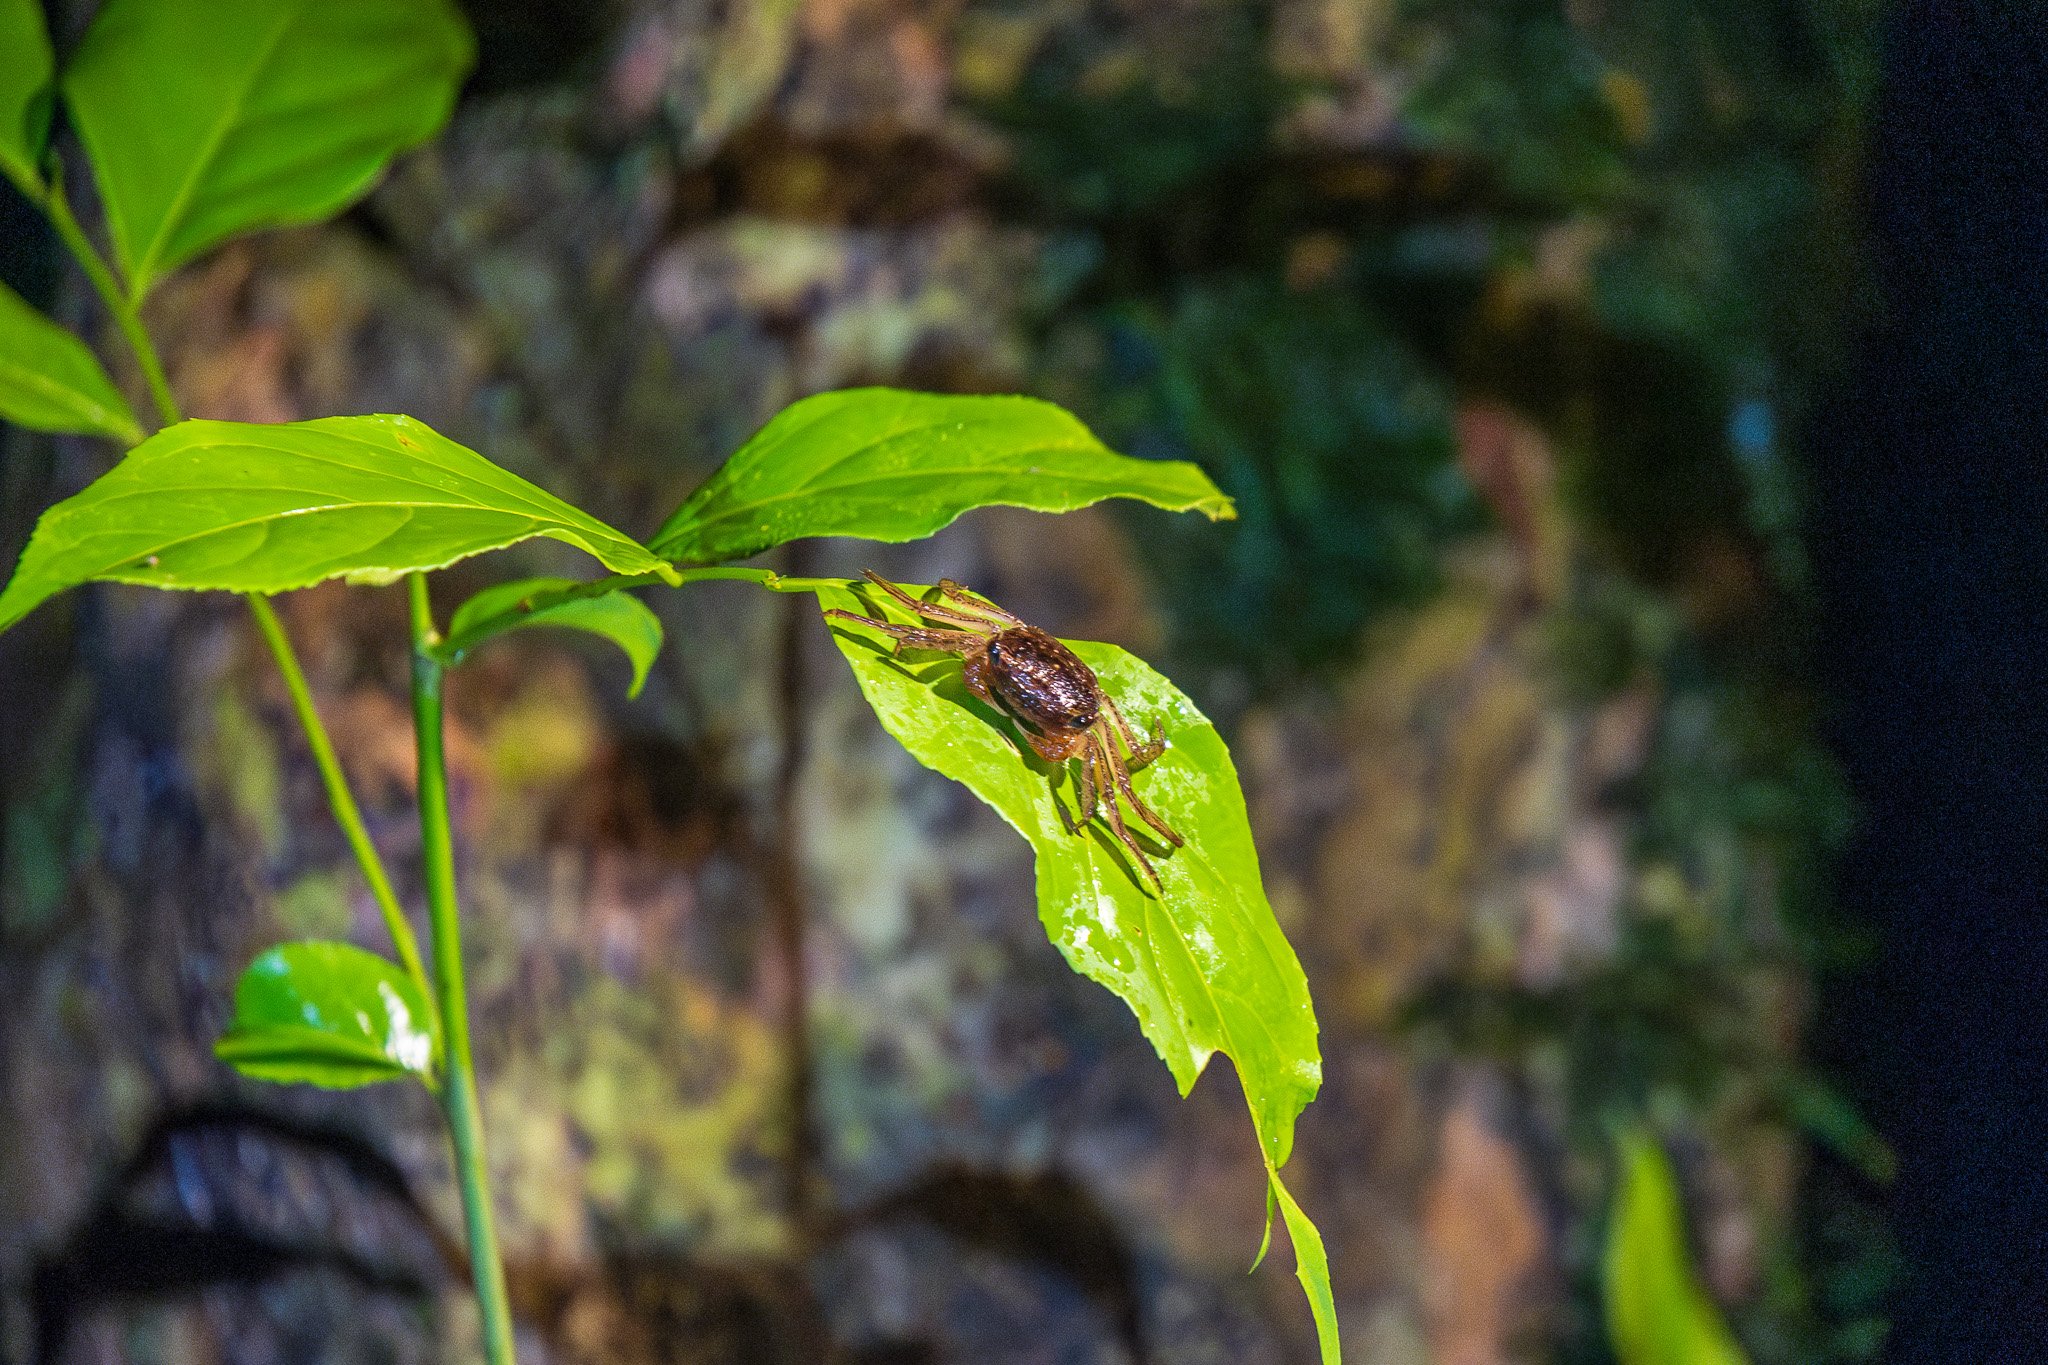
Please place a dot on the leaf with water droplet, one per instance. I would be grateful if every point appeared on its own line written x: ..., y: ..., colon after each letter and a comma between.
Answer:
x: 1202, y: 963
x: 332, y: 1015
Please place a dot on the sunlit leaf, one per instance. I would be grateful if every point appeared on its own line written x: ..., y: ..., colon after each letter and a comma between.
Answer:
x: 883, y: 464
x: 329, y: 1014
x: 617, y: 616
x: 1658, y: 1313
x: 205, y: 118
x: 1202, y: 963
x: 252, y: 508
x: 25, y: 93
x: 49, y: 381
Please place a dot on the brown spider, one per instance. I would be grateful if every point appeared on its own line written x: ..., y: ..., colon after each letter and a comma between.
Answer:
x: 1060, y: 708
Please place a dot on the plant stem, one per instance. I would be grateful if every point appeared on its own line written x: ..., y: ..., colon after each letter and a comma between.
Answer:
x: 458, y: 1094
x: 343, y: 802
x: 124, y: 311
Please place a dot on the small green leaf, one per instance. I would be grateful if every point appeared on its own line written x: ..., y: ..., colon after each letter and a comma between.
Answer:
x: 1311, y: 1267
x: 49, y: 381
x: 1658, y: 1313
x: 329, y: 1014
x: 249, y: 508
x: 619, y: 617
x: 883, y: 464
x: 25, y: 94
x: 206, y: 118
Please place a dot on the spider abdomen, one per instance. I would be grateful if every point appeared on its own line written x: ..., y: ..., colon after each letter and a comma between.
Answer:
x: 1041, y: 681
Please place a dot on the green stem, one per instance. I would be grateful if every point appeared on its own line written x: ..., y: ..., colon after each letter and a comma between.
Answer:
x: 343, y: 802
x: 458, y: 1094
x: 123, y: 309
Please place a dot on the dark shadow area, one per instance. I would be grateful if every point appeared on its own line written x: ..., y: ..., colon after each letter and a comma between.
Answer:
x: 1931, y: 539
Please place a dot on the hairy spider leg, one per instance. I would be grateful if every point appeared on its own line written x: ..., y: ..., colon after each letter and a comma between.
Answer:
x: 917, y: 637
x: 1141, y: 754
x: 1097, y: 757
x: 1122, y: 776
x: 975, y: 601
x: 930, y: 609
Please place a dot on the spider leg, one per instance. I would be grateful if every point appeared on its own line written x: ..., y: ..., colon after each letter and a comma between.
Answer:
x: 975, y: 601
x: 931, y: 609
x: 916, y: 637
x: 1116, y: 817
x: 1084, y: 796
x: 1141, y: 754
x: 1122, y: 777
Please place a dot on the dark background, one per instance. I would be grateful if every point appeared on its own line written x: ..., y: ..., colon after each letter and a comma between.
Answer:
x: 1931, y: 537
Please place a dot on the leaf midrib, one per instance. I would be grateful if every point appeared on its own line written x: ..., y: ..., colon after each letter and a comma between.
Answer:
x: 916, y: 475
x: 144, y: 268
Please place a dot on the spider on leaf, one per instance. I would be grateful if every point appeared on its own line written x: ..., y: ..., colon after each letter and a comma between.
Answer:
x: 1059, y: 706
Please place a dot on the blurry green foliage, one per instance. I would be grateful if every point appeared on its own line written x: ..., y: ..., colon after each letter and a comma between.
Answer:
x: 1658, y: 1312
x: 1335, y: 443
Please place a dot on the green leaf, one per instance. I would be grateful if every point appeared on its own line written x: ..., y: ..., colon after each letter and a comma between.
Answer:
x: 49, y: 381
x: 249, y: 508
x: 882, y: 464
x: 1311, y: 1267
x: 617, y: 616
x: 206, y: 118
x: 1203, y: 963
x: 1658, y: 1313
x: 25, y: 94
x: 329, y: 1014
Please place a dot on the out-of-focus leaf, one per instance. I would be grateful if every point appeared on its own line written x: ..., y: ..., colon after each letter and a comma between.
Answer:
x: 205, y: 118
x: 251, y: 508
x: 883, y: 464
x: 25, y: 93
x: 1658, y: 1313
x: 617, y: 616
x: 1202, y: 963
x: 332, y: 1015
x: 49, y: 381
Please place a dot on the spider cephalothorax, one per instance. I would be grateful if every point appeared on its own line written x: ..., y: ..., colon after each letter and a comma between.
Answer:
x: 1060, y: 709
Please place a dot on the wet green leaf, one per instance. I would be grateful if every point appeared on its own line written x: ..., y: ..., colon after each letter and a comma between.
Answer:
x: 250, y: 508
x: 25, y: 93
x: 617, y: 616
x: 883, y: 464
x: 1202, y: 963
x: 1658, y: 1313
x: 49, y: 381
x: 332, y: 1015
x: 206, y: 118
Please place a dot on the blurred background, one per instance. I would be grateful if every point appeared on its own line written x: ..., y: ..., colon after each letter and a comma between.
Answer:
x: 1629, y: 643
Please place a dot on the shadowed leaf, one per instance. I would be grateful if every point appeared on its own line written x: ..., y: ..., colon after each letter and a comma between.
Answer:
x: 49, y: 381
x: 25, y: 92
x: 617, y: 616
